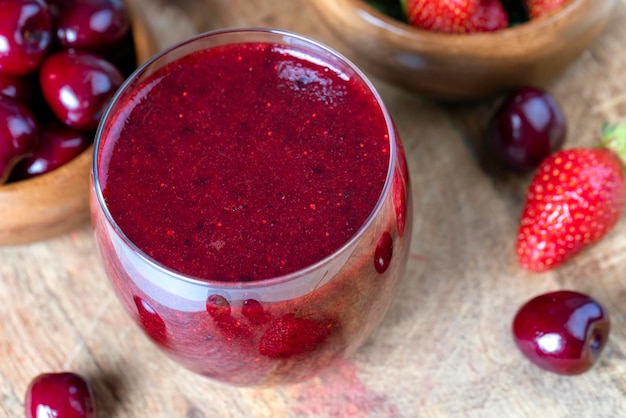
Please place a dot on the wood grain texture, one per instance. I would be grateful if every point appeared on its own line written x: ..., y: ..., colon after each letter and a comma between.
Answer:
x: 46, y: 206
x: 443, y: 350
x: 456, y: 67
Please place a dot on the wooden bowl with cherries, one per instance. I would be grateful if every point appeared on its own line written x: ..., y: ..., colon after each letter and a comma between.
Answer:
x: 55, y: 81
x: 398, y: 42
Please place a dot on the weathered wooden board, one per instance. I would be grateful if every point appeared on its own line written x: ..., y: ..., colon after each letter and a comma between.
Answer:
x: 444, y: 348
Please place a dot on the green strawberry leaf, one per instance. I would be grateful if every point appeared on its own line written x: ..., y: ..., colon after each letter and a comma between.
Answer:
x: 392, y: 8
x: 613, y: 137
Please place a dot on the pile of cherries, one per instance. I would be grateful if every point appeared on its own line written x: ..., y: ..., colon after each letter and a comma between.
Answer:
x: 61, y: 61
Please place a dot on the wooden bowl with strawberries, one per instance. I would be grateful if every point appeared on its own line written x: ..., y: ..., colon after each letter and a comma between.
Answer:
x: 36, y: 205
x: 467, y: 66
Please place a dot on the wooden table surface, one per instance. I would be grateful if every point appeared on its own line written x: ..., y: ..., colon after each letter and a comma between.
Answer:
x: 445, y: 347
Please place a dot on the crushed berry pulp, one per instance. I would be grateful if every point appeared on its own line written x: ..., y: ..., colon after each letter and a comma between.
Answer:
x: 222, y: 177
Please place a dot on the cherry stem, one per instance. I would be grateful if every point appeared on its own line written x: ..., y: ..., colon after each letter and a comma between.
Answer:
x: 613, y: 137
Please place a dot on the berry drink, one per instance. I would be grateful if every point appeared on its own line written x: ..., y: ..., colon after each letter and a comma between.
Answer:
x: 251, y: 204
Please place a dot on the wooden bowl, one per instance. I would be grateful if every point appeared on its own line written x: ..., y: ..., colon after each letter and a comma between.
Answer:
x: 56, y: 202
x: 463, y: 67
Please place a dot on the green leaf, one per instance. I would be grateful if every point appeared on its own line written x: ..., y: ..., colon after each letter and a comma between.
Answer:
x: 392, y: 8
x: 613, y: 137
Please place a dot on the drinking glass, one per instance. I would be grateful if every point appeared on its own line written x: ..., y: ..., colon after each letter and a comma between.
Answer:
x: 275, y: 331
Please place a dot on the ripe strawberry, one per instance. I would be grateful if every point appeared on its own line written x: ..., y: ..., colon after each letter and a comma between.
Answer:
x: 456, y: 16
x: 291, y: 335
x: 538, y: 8
x: 576, y: 197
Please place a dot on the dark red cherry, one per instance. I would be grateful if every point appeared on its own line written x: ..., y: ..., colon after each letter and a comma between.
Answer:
x: 383, y: 252
x: 58, y: 145
x: 78, y: 86
x: 19, y: 135
x: 218, y: 307
x: 528, y: 126
x: 291, y: 335
x: 25, y: 35
x: 91, y: 25
x: 253, y: 310
x: 18, y: 88
x: 563, y: 332
x: 151, y: 322
x: 59, y: 395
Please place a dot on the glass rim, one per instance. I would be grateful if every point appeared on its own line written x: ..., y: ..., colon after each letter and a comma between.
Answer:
x: 271, y: 281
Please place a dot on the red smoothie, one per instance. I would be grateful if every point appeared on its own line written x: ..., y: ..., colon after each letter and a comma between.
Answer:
x: 221, y: 177
x: 239, y: 164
